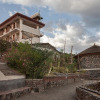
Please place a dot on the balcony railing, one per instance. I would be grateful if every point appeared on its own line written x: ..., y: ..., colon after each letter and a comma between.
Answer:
x: 31, y: 30
x: 11, y: 31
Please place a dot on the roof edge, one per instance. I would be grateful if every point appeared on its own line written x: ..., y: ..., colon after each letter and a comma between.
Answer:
x: 21, y: 15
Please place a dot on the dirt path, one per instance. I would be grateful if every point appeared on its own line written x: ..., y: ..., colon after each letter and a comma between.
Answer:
x: 58, y: 93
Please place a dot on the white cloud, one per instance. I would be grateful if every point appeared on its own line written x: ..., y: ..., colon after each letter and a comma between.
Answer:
x: 10, y: 13
x: 87, y: 9
x: 23, y: 2
x: 75, y: 35
x: 24, y: 10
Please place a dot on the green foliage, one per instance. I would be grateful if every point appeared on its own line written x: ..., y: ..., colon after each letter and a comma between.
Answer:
x: 71, y: 68
x: 4, y: 45
x: 82, y: 71
x: 28, y: 60
x: 59, y: 69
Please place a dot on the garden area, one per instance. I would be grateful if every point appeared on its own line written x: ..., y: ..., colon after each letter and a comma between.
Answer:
x: 35, y: 63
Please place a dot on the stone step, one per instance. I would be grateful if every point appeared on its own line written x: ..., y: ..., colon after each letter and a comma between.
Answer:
x: 3, y: 65
x: 15, y: 93
x: 6, y: 85
x: 7, y: 70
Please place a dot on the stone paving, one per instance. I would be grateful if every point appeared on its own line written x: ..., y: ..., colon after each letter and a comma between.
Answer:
x: 58, y: 93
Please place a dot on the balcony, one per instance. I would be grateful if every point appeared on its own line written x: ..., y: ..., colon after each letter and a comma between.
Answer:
x: 11, y: 31
x: 30, y: 30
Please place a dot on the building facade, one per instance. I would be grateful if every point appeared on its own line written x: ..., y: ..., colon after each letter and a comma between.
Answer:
x: 89, y: 58
x: 21, y: 28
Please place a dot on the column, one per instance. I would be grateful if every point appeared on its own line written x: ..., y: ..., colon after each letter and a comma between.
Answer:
x: 15, y: 37
x: 15, y: 24
x: 20, y: 32
x: 38, y: 30
x: 4, y: 31
x: 38, y: 33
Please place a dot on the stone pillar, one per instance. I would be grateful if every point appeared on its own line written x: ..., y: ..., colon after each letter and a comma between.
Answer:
x: 38, y: 33
x: 12, y: 26
x: 4, y: 31
x: 15, y: 24
x: 20, y: 32
x: 15, y: 37
x: 38, y: 29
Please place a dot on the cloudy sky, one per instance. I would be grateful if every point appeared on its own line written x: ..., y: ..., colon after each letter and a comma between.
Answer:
x: 75, y: 21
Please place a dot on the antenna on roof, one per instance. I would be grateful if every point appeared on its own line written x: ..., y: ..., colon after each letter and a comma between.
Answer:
x: 39, y: 11
x: 40, y: 15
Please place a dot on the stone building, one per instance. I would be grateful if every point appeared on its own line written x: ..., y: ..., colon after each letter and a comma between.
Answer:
x: 89, y: 58
x: 21, y: 28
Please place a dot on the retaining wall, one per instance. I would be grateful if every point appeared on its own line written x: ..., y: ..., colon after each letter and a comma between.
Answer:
x: 11, y: 84
x: 85, y: 93
x: 39, y: 85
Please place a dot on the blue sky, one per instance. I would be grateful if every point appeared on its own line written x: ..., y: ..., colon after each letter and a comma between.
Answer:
x: 76, y: 21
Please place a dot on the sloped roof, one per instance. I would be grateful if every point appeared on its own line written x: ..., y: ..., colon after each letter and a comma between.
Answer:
x: 36, y: 15
x: 23, y: 16
x: 91, y: 50
x: 46, y: 45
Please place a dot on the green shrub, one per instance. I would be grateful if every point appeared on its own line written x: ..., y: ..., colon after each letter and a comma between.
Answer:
x: 4, y: 45
x: 60, y: 69
x: 72, y: 68
x: 28, y: 60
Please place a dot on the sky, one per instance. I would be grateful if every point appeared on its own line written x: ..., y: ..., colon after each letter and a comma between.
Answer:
x: 75, y: 21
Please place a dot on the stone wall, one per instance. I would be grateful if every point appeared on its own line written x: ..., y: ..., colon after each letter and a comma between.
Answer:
x: 36, y: 84
x: 39, y: 85
x: 11, y: 84
x: 90, y: 61
x: 85, y: 93
x: 13, y: 94
x: 92, y: 74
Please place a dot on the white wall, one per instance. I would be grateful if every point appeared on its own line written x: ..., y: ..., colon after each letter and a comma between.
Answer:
x: 34, y: 40
x: 30, y: 30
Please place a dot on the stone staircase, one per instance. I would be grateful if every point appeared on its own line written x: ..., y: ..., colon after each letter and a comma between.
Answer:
x: 12, y: 83
x: 7, y: 71
x: 15, y: 93
x: 9, y: 78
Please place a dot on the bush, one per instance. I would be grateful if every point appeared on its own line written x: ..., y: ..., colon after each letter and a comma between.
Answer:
x: 4, y: 45
x: 28, y: 60
x: 72, y: 68
x: 60, y: 69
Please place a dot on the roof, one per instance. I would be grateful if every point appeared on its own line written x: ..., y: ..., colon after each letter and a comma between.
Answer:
x: 36, y: 15
x: 23, y: 16
x: 46, y: 45
x: 91, y: 50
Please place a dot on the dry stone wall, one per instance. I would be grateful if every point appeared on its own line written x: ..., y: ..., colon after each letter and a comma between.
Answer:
x: 90, y: 61
x: 39, y: 85
x: 86, y: 93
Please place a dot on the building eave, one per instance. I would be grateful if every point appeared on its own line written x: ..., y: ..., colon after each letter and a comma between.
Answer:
x: 22, y: 16
x: 81, y: 55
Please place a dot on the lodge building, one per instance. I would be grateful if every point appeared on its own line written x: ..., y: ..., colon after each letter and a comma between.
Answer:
x: 21, y: 28
x: 89, y: 58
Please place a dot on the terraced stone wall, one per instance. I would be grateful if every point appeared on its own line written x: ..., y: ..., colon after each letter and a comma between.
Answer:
x: 88, y: 92
x: 39, y: 85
